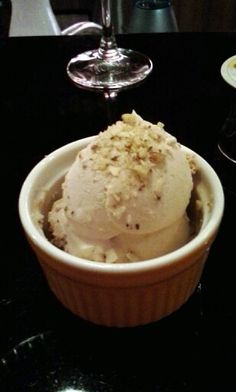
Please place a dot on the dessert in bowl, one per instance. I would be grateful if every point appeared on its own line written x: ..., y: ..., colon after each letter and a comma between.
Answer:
x: 122, y: 223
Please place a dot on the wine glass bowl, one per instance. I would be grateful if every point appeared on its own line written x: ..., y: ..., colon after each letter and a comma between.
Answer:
x: 108, y: 67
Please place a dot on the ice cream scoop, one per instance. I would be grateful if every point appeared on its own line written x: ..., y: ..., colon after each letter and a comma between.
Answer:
x: 120, y: 293
x: 125, y: 196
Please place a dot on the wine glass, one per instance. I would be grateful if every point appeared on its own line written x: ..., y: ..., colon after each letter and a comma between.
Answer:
x: 225, y: 152
x: 108, y: 68
x: 227, y: 136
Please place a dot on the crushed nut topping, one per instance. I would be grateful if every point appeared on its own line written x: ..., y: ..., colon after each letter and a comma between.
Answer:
x: 132, y: 144
x: 192, y: 163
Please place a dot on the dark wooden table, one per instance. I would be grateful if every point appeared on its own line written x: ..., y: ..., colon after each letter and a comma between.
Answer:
x: 43, y: 347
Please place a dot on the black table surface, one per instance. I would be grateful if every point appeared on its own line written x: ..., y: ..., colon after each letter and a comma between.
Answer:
x: 43, y: 347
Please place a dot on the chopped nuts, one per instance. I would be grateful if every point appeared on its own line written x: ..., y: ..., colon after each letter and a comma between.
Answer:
x: 192, y: 163
x: 131, y: 144
x: 114, y: 170
x: 131, y: 256
x: 110, y: 256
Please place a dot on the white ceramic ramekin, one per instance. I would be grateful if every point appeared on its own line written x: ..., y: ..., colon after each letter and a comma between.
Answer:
x: 127, y: 294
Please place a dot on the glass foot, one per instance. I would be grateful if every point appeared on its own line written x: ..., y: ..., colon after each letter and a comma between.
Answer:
x: 227, y: 136
x: 89, y: 71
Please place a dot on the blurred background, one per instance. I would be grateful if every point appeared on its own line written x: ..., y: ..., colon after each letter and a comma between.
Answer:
x: 189, y: 15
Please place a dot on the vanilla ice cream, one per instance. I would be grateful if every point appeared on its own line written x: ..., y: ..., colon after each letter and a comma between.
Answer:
x: 125, y: 196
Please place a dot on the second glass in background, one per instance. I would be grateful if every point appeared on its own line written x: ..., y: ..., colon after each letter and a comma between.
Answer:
x: 140, y: 16
x: 153, y: 16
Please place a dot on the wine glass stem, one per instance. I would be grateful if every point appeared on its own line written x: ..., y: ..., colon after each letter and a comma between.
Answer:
x: 108, y: 48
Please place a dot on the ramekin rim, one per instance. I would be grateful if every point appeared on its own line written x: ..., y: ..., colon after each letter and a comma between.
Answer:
x: 138, y: 266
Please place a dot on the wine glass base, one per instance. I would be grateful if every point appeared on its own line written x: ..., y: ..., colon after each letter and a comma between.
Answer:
x: 88, y: 70
x: 228, y: 153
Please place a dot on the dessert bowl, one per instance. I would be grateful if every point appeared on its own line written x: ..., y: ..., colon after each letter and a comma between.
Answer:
x: 120, y: 294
